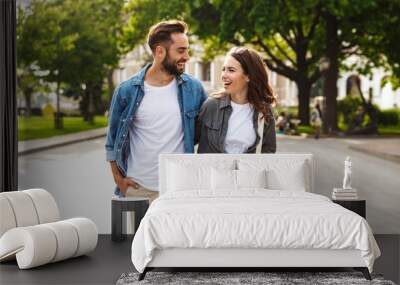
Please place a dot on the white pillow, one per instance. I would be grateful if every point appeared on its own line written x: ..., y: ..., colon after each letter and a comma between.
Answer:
x: 292, y: 179
x: 186, y: 174
x: 223, y: 179
x: 282, y: 174
x: 251, y: 178
x: 182, y: 177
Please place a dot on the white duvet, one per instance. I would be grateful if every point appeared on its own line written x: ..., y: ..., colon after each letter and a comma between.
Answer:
x: 250, y: 219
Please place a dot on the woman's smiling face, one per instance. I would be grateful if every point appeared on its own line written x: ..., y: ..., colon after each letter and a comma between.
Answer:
x: 233, y: 76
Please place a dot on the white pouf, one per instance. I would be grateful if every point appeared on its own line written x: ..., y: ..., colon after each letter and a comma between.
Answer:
x: 31, y: 232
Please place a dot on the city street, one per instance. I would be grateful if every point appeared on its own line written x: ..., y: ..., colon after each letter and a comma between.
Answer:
x: 377, y: 180
x: 80, y: 179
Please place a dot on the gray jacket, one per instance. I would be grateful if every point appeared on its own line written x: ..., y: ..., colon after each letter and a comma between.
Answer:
x: 212, y: 126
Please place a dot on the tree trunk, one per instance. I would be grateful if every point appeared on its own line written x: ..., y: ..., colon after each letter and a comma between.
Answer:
x: 110, y: 83
x: 58, y: 120
x: 303, y: 82
x: 331, y: 74
x: 304, y: 88
x: 88, y: 103
x: 28, y: 101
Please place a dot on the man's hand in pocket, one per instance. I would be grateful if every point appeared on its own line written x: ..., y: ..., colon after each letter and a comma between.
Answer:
x: 124, y: 183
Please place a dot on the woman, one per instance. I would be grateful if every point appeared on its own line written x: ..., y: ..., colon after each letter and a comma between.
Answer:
x: 281, y: 122
x: 316, y: 120
x: 228, y: 122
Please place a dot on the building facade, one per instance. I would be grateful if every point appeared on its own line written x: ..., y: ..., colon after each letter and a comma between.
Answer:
x: 209, y: 72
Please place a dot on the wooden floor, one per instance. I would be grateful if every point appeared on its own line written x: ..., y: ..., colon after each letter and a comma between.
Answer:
x: 106, y: 264
x: 103, y: 266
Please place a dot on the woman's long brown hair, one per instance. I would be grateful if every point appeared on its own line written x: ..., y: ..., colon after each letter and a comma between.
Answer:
x: 260, y: 93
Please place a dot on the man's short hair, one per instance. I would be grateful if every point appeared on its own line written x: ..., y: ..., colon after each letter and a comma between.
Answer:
x: 161, y: 32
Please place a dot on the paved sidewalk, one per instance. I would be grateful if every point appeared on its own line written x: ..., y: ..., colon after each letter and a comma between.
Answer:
x: 385, y: 148
x: 30, y: 146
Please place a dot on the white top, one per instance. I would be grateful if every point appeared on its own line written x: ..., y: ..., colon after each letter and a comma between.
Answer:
x: 241, y: 134
x: 156, y: 128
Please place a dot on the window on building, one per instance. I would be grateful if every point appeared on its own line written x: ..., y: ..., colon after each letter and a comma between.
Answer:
x: 206, y: 71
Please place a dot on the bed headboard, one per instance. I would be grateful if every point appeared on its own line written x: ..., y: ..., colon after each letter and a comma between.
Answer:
x: 212, y: 159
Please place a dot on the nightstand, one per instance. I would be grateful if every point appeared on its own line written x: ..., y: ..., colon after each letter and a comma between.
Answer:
x: 126, y: 204
x: 357, y: 206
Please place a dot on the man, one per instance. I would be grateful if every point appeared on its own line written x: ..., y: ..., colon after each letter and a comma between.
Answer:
x: 153, y: 112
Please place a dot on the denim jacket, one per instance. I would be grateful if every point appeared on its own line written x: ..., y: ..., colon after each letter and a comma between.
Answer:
x: 212, y: 127
x: 126, y: 100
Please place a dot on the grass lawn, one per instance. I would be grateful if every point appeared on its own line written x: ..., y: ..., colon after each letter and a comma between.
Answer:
x: 389, y: 130
x: 305, y: 129
x: 383, y: 130
x: 41, y: 127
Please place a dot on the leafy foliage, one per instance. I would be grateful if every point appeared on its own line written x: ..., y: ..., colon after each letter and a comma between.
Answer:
x: 389, y: 117
x: 347, y: 108
x: 291, y: 35
x: 76, y: 43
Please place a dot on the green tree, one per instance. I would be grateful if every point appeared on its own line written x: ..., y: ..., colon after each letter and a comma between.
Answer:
x: 345, y: 35
x: 350, y: 30
x: 383, y: 45
x: 27, y: 83
x: 96, y: 50
x: 76, y: 42
x: 25, y: 77
x: 301, y: 40
x: 43, y: 43
x: 290, y: 44
x: 29, y: 33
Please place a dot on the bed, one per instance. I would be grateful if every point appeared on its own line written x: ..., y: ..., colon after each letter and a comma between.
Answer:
x: 248, y: 210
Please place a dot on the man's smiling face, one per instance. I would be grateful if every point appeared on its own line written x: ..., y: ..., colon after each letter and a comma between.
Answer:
x: 177, y: 54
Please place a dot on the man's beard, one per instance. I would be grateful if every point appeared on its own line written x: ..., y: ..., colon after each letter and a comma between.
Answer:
x: 171, y: 67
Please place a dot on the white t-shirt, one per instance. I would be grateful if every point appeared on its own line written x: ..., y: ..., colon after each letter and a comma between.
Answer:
x: 241, y: 134
x: 156, y: 128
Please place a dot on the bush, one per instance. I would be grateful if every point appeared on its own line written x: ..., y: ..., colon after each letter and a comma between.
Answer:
x: 292, y: 110
x: 347, y: 108
x: 389, y: 117
x: 348, y: 117
x: 71, y: 112
x: 48, y: 111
